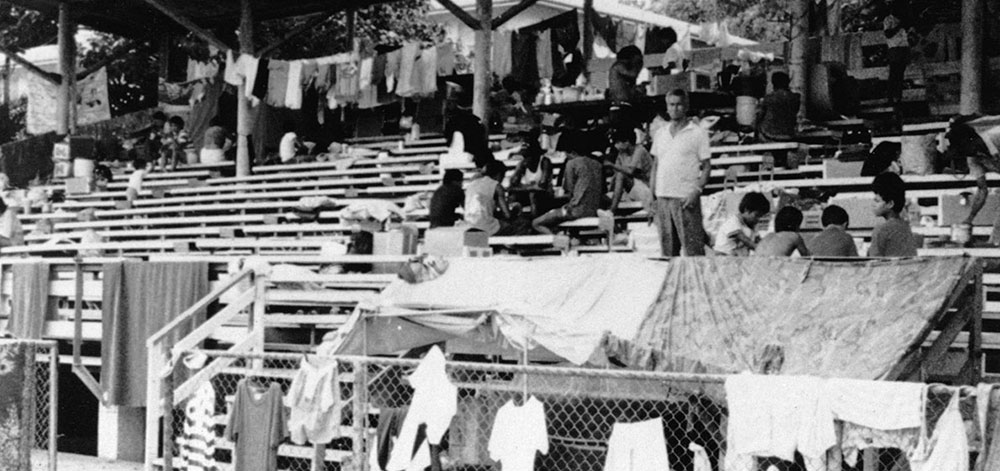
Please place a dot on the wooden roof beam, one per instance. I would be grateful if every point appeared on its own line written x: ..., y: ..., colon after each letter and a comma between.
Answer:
x: 512, y: 12
x: 50, y: 77
x: 171, y: 12
x: 461, y: 14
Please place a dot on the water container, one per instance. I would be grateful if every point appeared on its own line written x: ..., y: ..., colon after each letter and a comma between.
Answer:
x: 83, y: 168
x: 746, y: 110
x: 961, y: 233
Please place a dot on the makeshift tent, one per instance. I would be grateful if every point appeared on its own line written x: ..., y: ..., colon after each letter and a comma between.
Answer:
x: 854, y: 319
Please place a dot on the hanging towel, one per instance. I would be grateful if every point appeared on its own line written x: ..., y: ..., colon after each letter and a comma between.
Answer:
x: 30, y: 304
x: 293, y: 95
x: 407, y: 59
x: 392, y: 69
x: 139, y: 298
x: 502, y: 65
x: 277, y: 85
x: 425, y: 72
x: 543, y: 53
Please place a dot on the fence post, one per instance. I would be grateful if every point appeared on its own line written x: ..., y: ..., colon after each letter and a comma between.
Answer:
x: 360, y: 414
x: 53, y: 405
x: 168, y: 419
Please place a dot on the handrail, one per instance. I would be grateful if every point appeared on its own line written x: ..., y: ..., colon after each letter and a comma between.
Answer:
x: 198, y: 306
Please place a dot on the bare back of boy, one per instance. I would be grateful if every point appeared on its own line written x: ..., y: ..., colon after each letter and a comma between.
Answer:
x: 781, y: 244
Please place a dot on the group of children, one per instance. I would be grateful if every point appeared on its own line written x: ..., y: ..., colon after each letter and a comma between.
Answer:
x: 892, y: 238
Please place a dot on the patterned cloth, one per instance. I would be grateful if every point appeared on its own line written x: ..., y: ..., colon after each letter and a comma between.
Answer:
x: 12, y: 407
x: 197, y: 442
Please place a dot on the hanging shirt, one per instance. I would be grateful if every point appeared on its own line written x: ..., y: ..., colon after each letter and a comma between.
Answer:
x: 365, y: 73
x: 260, y: 83
x: 198, y: 440
x: 777, y: 416
x: 277, y: 84
x: 407, y: 58
x: 248, y: 65
x: 293, y: 94
x: 314, y: 403
x: 392, y: 61
x: 949, y: 446
x: 638, y: 446
x: 502, y: 52
x: 518, y: 433
x: 428, y: 71
x: 543, y: 54
x: 435, y: 402
x: 446, y: 59
x: 232, y: 74
x: 256, y: 426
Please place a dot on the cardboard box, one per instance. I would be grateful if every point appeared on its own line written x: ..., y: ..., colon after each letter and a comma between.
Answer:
x: 60, y: 151
x: 400, y: 240
x: 62, y: 169
x: 77, y: 186
x: 452, y: 241
x: 833, y: 168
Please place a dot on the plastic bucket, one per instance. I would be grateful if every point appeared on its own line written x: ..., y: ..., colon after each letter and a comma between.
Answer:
x: 961, y: 233
x: 746, y: 110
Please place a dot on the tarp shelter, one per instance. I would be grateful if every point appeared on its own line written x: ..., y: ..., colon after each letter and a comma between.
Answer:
x: 862, y: 320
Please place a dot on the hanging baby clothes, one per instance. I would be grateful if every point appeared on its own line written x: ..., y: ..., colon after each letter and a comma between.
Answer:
x: 314, y: 403
x: 775, y: 416
x: 407, y: 58
x: 877, y: 414
x: 256, y: 426
x: 392, y: 69
x: 277, y: 85
x: 293, y: 95
x: 501, y: 52
x: 948, y: 446
x: 198, y: 440
x: 424, y: 78
x: 543, y: 51
x: 365, y: 73
x: 435, y: 401
x: 231, y: 74
x: 518, y: 433
x: 446, y: 59
x: 638, y: 446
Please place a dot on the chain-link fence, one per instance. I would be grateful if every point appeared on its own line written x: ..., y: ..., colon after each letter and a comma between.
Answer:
x: 581, y: 410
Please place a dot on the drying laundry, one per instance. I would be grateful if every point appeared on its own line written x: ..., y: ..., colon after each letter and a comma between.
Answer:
x: 638, y: 446
x: 435, y: 401
x: 519, y: 432
x: 948, y: 448
x: 882, y: 405
x: 314, y: 402
x: 256, y: 426
x: 198, y: 440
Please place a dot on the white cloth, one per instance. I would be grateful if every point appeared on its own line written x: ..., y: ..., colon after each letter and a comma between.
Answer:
x: 249, y: 68
x: 435, y: 402
x: 10, y: 227
x: 480, y: 205
x: 211, y: 156
x: 518, y: 433
x: 286, y: 149
x: 678, y: 159
x: 135, y: 180
x: 700, y: 460
x: 949, y: 446
x: 883, y: 405
x: 728, y: 245
x: 777, y: 416
x: 232, y: 74
x: 638, y: 446
x: 365, y: 73
x: 313, y: 399
x: 293, y: 95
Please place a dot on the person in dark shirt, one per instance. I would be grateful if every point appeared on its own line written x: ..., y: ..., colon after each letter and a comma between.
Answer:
x: 582, y: 183
x: 462, y: 121
x: 777, y: 116
x: 623, y: 94
x: 446, y: 199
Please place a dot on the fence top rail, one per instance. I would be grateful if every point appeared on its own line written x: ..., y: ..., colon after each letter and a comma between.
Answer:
x: 491, y: 367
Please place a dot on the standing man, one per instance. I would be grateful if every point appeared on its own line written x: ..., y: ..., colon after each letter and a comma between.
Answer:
x: 680, y: 171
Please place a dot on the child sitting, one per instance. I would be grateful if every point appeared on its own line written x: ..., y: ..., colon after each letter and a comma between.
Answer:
x: 135, y: 180
x: 833, y: 241
x: 785, y: 239
x: 893, y: 238
x: 737, y: 235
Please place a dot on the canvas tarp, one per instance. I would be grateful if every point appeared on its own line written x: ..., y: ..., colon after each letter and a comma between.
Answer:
x: 704, y: 314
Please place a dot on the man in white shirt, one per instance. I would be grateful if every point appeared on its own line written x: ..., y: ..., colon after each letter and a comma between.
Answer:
x: 680, y: 171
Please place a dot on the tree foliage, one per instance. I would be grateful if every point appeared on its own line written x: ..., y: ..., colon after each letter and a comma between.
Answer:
x: 22, y: 29
x: 760, y: 20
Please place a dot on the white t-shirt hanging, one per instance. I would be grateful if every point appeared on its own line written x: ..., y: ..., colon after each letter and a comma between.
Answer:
x: 435, y: 402
x: 518, y: 433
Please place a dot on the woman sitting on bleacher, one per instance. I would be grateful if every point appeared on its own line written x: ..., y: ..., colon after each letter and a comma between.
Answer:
x: 485, y: 199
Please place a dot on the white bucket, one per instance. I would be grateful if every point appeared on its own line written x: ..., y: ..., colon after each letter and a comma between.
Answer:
x: 961, y: 233
x: 83, y: 168
x: 746, y: 110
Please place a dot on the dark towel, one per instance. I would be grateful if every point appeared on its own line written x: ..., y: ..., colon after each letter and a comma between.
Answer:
x: 30, y: 306
x: 139, y: 299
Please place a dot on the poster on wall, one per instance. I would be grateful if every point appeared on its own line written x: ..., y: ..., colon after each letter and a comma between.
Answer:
x: 92, y: 103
